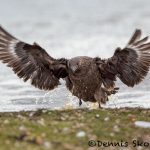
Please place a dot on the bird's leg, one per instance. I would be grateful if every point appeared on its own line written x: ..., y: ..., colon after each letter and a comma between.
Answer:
x: 107, y: 99
x: 80, y: 102
x: 99, y: 105
x: 100, y: 96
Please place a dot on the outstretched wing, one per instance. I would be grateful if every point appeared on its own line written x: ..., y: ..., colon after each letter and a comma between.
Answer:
x: 31, y: 62
x: 131, y: 64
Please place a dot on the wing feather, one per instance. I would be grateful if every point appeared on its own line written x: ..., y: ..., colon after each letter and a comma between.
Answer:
x: 131, y: 64
x: 31, y: 62
x: 133, y: 61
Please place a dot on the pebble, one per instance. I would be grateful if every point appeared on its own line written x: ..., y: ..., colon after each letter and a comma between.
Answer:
x: 118, y: 121
x: 22, y: 128
x: 7, y: 142
x: 44, y: 111
x: 112, y: 134
x: 6, y: 121
x: 106, y: 119
x: 41, y: 122
x: 43, y: 135
x: 81, y: 134
x: 47, y: 145
x: 116, y: 128
x: 65, y: 130
x: 49, y: 113
x: 62, y: 118
x: 21, y: 117
x: 97, y: 115
x: 31, y: 114
x: 39, y: 140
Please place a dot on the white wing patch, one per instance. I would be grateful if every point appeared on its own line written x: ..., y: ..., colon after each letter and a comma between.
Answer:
x: 12, y: 45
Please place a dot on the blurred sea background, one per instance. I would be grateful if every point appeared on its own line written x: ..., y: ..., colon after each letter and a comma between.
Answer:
x: 68, y: 28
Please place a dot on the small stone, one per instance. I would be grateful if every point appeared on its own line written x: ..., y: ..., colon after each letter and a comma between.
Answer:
x: 116, y: 128
x: 97, y: 115
x: 44, y: 111
x: 22, y: 128
x: 65, y: 130
x: 106, y: 119
x: 139, y: 148
x: 55, y: 131
x: 81, y: 134
x: 7, y: 141
x: 62, y: 118
x: 68, y: 146
x: 31, y: 114
x: 79, y: 125
x: 17, y: 144
x: 21, y: 117
x: 49, y: 113
x: 6, y: 121
x: 118, y: 121
x: 112, y: 134
x: 47, y: 145
x: 41, y: 122
x: 132, y: 117
x: 39, y: 140
x: 43, y: 135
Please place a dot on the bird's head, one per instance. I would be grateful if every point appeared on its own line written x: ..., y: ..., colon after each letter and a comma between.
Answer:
x: 79, y: 65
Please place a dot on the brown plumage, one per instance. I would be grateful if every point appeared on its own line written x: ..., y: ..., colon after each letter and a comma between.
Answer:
x: 90, y: 79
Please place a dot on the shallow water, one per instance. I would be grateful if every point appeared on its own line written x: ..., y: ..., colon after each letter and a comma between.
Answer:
x: 68, y: 28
